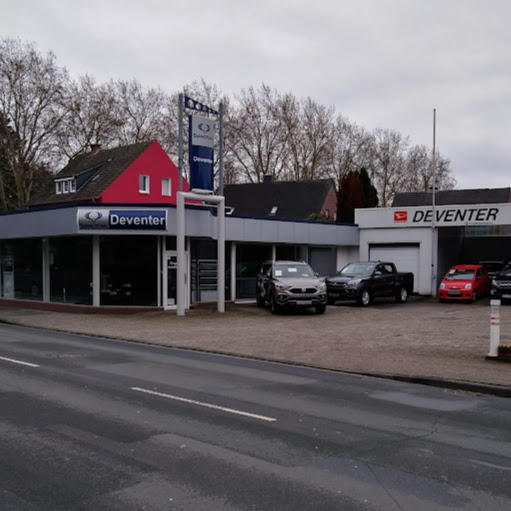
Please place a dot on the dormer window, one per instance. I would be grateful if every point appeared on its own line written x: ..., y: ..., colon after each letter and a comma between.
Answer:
x: 65, y: 186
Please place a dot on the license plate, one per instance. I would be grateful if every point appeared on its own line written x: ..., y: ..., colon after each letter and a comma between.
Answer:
x: 453, y: 293
x: 305, y: 302
x: 333, y: 295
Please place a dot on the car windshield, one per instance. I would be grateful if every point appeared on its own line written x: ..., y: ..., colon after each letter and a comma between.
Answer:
x: 460, y: 274
x: 506, y: 272
x: 290, y: 270
x: 353, y: 269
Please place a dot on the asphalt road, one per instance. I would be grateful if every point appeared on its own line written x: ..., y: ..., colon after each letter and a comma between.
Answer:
x: 95, y: 424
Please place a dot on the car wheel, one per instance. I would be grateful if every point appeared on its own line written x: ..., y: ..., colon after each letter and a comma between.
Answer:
x: 474, y: 296
x: 274, y: 306
x: 320, y: 309
x: 364, y: 298
x: 402, y: 296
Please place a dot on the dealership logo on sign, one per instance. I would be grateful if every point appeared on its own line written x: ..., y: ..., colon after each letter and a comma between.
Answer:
x: 400, y: 216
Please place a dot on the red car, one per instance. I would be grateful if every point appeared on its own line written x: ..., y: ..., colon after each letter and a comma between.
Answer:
x: 464, y: 282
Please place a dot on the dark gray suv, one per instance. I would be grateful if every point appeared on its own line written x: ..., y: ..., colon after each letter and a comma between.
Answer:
x: 290, y: 284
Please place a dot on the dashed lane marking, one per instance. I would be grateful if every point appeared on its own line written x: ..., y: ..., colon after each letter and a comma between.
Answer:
x: 206, y: 405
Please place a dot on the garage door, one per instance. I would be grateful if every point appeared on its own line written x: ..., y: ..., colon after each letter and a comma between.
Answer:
x: 322, y: 260
x: 405, y: 257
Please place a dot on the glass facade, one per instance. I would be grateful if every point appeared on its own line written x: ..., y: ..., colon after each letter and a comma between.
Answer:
x: 21, y: 269
x: 129, y: 270
x: 71, y: 270
x: 248, y: 262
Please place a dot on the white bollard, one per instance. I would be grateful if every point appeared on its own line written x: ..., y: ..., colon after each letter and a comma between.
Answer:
x: 494, y: 328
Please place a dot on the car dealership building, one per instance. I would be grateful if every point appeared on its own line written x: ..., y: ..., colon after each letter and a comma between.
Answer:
x: 428, y: 237
x: 100, y: 254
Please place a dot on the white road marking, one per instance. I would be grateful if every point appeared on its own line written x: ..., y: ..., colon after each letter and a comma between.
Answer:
x: 206, y: 405
x: 14, y: 361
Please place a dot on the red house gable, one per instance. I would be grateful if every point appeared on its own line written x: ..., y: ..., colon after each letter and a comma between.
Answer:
x: 152, y: 178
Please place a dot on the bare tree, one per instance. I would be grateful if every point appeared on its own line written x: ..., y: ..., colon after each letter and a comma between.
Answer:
x: 256, y: 135
x: 33, y: 100
x: 351, y: 149
x: 93, y: 117
x: 388, y: 169
x: 142, y: 111
x: 308, y: 141
x: 420, y: 169
x: 7, y: 152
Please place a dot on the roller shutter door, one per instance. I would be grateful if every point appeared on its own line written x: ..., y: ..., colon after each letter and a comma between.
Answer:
x: 405, y: 257
x: 322, y: 260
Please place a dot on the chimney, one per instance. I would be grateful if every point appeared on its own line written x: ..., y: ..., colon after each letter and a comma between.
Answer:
x: 267, y: 178
x: 94, y: 148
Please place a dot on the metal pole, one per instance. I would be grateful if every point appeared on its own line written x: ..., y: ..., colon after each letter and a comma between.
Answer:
x: 433, y: 200
x: 221, y: 255
x: 180, y: 110
x: 180, y: 245
x: 221, y: 149
x: 96, y: 274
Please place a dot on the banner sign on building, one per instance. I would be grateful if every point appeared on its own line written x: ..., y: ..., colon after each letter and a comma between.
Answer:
x: 122, y: 219
x: 201, y: 152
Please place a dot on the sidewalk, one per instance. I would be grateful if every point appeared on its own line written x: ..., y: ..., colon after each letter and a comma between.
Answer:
x: 422, y: 341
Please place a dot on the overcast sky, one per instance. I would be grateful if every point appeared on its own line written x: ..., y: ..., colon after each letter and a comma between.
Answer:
x: 381, y: 63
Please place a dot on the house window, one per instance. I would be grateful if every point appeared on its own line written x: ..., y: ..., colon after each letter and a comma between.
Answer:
x: 166, y: 189
x: 65, y: 186
x: 143, y: 184
x: 274, y: 210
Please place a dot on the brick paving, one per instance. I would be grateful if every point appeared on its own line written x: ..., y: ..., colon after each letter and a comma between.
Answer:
x: 421, y: 339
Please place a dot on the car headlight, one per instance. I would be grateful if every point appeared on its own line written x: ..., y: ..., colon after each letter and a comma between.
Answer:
x: 322, y: 287
x: 494, y: 283
x: 468, y: 286
x: 442, y: 286
x: 354, y: 282
x: 281, y: 287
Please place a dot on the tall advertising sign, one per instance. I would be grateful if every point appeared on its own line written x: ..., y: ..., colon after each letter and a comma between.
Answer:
x: 202, y: 143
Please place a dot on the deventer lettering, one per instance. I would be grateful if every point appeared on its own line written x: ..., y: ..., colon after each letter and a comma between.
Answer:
x: 457, y: 215
x: 138, y: 219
